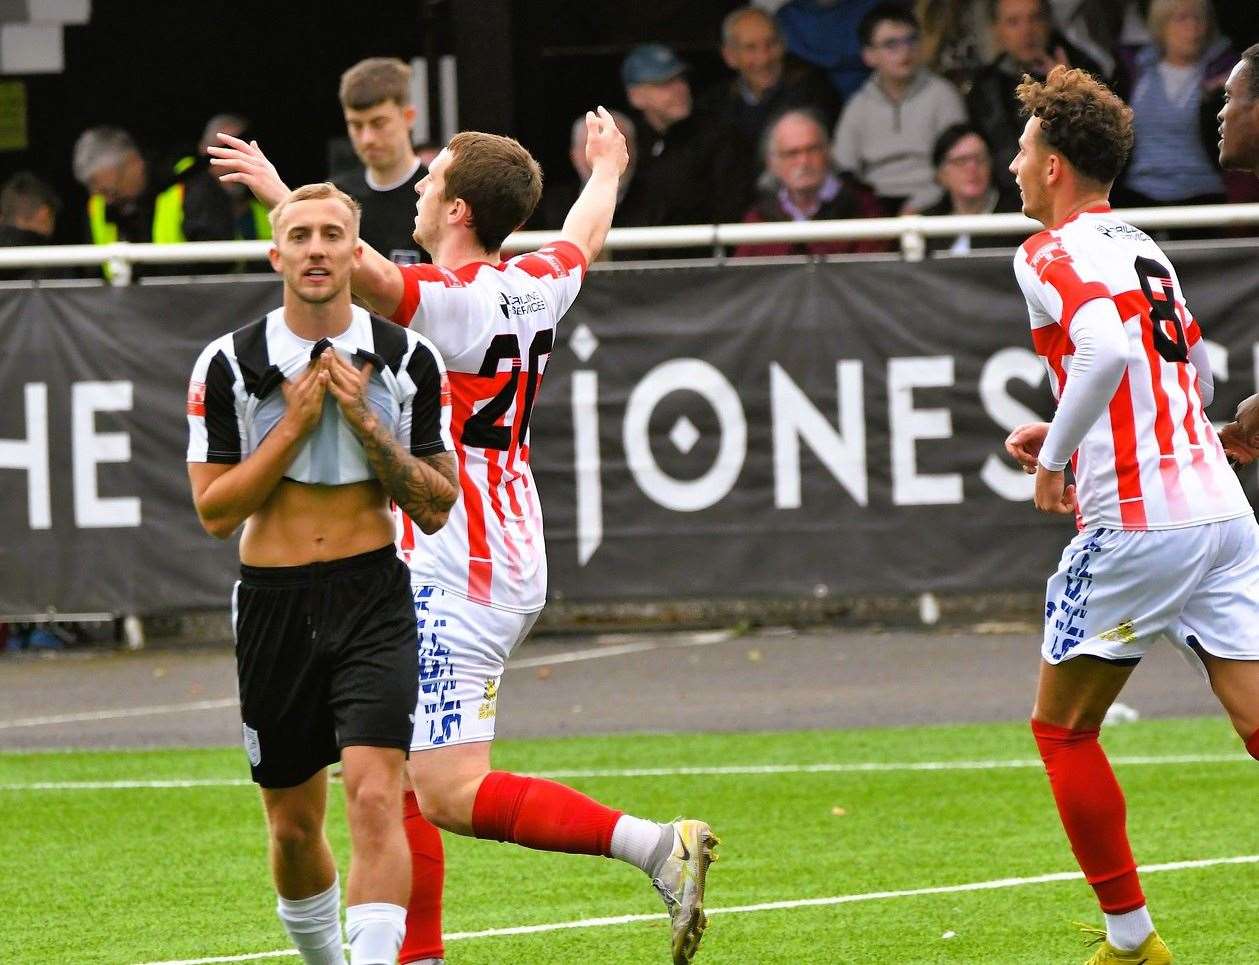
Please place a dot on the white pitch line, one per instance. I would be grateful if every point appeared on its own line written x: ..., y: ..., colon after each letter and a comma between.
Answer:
x: 616, y: 650
x: 120, y: 712
x: 992, y: 885
x: 128, y: 785
x: 875, y: 767
x: 576, y: 656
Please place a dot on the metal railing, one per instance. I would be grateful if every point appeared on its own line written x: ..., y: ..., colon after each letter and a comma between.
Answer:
x: 910, y: 231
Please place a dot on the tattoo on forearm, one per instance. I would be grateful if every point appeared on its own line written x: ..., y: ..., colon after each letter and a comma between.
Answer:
x: 424, y: 486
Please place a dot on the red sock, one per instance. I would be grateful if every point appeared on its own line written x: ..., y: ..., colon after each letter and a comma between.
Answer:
x: 1093, y: 813
x: 541, y: 814
x: 1252, y: 745
x: 428, y: 871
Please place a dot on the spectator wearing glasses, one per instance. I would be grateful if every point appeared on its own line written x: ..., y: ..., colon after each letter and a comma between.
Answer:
x: 1023, y: 34
x: 803, y: 186
x: 963, y: 164
x: 887, y: 130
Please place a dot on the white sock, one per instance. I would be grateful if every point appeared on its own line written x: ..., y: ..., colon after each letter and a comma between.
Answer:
x: 375, y: 930
x: 644, y: 844
x: 1129, y: 930
x: 314, y: 925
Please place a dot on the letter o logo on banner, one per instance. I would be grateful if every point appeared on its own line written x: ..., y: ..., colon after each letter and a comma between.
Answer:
x: 689, y: 375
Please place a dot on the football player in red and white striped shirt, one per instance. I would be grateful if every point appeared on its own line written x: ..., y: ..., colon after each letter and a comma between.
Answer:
x: 480, y: 583
x: 1167, y: 545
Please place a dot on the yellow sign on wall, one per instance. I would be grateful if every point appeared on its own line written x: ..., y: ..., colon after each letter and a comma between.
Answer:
x: 13, y: 116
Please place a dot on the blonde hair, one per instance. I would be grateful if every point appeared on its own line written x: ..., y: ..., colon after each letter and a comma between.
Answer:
x: 1161, y: 12
x: 314, y: 192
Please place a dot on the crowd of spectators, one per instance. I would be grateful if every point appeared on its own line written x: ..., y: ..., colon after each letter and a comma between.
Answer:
x: 831, y: 109
x: 861, y: 108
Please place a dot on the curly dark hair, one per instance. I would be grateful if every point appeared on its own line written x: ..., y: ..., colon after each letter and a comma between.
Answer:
x: 1082, y: 119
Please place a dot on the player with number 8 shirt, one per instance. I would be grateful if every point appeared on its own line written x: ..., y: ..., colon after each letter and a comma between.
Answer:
x: 479, y: 585
x: 1167, y: 544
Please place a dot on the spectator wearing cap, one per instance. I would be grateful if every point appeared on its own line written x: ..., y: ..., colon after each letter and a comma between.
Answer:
x: 887, y: 130
x: 824, y: 33
x: 766, y: 81
x: 963, y: 164
x: 1026, y: 43
x: 28, y: 216
x: 803, y: 186
x: 689, y: 168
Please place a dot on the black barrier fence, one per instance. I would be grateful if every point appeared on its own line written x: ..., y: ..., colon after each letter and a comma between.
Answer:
x: 803, y: 429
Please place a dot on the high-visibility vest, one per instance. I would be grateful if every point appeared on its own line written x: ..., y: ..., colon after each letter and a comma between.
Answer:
x: 262, y: 223
x: 168, y: 216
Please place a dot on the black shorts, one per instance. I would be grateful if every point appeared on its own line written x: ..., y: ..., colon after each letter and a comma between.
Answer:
x: 325, y: 658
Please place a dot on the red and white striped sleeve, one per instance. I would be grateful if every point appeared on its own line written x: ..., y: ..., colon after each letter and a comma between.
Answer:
x: 1050, y: 277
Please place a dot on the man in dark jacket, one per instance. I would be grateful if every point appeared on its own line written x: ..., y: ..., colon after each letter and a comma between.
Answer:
x: 28, y: 216
x: 1023, y: 34
x: 689, y: 168
x: 766, y: 82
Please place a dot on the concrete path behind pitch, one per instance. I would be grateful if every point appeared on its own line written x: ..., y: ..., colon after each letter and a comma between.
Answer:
x: 561, y: 686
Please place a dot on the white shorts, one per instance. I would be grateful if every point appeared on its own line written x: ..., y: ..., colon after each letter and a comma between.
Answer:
x: 463, y: 648
x: 1116, y: 592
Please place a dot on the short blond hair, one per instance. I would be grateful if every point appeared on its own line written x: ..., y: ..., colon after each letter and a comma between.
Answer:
x: 314, y: 192
x: 1161, y: 12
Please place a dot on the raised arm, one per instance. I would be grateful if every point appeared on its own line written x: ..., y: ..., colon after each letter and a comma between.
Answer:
x: 226, y: 494
x: 377, y: 280
x: 424, y: 486
x: 242, y: 162
x: 590, y: 217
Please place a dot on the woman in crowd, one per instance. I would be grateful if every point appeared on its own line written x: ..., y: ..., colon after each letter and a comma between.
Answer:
x: 1176, y: 85
x: 963, y: 163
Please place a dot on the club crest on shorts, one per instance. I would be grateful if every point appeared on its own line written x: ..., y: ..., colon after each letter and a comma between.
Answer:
x: 253, y: 748
x: 1124, y: 633
x: 489, y: 700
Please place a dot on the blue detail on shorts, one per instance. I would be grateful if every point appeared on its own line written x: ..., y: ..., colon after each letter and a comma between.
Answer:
x: 1072, y: 606
x: 442, y: 710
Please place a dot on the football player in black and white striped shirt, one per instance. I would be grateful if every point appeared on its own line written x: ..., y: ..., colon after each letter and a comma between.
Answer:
x: 303, y: 425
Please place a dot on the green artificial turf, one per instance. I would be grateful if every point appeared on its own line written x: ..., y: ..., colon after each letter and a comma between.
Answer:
x: 139, y: 875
